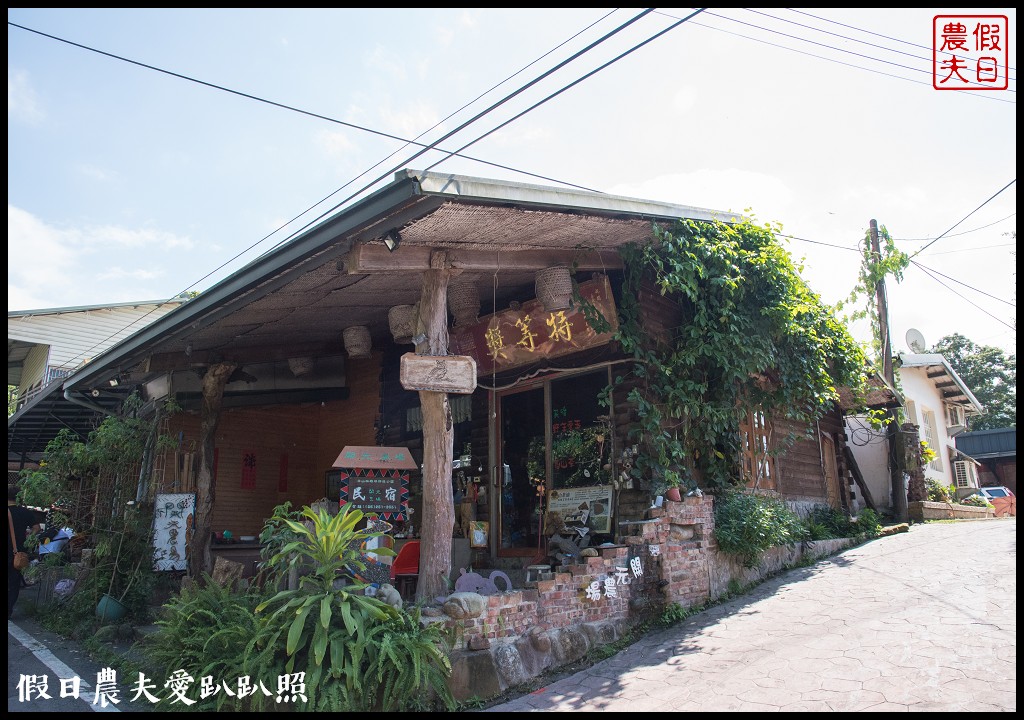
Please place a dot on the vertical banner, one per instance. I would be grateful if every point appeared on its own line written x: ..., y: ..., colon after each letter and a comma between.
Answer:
x: 173, y: 514
x: 249, y: 470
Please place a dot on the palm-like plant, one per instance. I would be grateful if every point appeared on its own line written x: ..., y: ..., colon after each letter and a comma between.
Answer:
x: 357, y: 652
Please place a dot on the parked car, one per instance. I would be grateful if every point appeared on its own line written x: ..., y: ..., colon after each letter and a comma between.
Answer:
x: 1001, y: 497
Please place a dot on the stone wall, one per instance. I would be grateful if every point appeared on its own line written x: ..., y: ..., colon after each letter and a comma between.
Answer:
x: 926, y: 510
x: 504, y: 640
x: 670, y: 557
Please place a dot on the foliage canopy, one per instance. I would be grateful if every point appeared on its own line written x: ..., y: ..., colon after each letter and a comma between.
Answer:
x: 751, y: 335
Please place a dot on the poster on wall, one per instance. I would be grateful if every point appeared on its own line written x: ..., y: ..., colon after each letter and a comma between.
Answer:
x: 173, y: 515
x: 591, y: 506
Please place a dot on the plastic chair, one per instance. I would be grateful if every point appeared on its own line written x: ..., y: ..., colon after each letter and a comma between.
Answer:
x: 406, y: 569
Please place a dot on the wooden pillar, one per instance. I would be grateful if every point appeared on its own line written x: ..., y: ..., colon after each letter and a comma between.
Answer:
x: 199, y: 557
x: 438, y: 519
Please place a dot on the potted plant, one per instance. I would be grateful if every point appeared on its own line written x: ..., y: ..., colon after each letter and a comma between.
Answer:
x: 130, y: 567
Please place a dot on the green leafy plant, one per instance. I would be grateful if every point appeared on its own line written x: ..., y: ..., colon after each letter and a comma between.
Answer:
x: 746, y: 525
x: 357, y: 653
x: 204, y: 630
x: 751, y: 334
x: 937, y: 492
x: 976, y: 501
x: 868, y: 524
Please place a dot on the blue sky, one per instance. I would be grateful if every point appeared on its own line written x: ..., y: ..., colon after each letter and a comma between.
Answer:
x: 126, y: 183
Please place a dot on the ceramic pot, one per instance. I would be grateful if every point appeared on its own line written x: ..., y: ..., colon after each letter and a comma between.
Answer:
x: 110, y: 610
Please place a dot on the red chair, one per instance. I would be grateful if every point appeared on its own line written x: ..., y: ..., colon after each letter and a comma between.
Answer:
x: 406, y: 569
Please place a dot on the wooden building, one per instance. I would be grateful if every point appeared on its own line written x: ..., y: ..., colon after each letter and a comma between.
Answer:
x: 300, y: 354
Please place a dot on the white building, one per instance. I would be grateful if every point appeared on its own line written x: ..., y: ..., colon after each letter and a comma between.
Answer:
x: 938, y: 401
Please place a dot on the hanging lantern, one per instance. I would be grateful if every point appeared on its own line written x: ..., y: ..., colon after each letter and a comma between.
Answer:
x: 554, y: 288
x: 300, y: 365
x: 464, y: 302
x: 402, y: 321
x: 357, y: 341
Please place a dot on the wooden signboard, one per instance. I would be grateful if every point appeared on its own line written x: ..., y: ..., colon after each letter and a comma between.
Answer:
x: 454, y: 374
x: 513, y: 338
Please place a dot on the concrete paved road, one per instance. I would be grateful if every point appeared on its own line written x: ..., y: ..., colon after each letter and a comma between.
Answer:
x: 922, y: 621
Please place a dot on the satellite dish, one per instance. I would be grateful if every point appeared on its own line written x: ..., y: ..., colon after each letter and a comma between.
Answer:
x: 916, y: 340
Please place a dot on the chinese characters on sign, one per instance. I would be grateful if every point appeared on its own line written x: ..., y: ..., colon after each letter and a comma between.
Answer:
x: 519, y: 337
x: 249, y: 470
x: 610, y: 584
x: 291, y: 687
x: 970, y: 52
x: 172, y: 521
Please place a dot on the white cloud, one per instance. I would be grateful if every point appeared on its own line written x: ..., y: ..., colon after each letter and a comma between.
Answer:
x: 410, y: 120
x: 768, y: 197
x: 22, y: 102
x: 335, y: 142
x: 119, y: 273
x: 94, y: 173
x: 384, y: 60
x: 45, y: 263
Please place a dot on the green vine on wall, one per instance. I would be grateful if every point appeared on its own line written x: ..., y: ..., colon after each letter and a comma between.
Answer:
x: 752, y: 335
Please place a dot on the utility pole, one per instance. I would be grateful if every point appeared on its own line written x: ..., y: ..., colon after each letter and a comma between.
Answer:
x: 897, y: 459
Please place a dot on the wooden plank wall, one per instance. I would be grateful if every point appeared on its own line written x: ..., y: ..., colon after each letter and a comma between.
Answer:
x: 800, y: 475
x: 304, y: 438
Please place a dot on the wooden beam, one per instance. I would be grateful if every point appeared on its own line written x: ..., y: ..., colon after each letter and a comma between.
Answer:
x: 164, y: 362
x: 438, y: 519
x: 367, y: 259
x: 199, y: 557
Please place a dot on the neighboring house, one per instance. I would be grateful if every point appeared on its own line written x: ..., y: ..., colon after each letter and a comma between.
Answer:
x: 939, y: 403
x: 45, y: 346
x: 299, y: 388
x: 996, y: 451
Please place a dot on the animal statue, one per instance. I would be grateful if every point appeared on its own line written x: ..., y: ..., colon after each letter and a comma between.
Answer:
x: 477, y: 583
x: 388, y: 594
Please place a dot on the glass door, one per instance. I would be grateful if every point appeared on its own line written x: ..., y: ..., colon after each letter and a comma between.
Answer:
x: 522, y: 462
x: 554, y: 435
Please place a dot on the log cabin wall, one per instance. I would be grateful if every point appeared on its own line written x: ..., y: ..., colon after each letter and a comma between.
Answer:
x: 292, y: 446
x: 799, y: 470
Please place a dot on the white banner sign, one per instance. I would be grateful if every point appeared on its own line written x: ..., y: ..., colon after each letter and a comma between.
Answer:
x: 173, y: 516
x: 589, y: 505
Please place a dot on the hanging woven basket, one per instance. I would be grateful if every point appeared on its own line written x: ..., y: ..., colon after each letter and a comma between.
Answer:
x: 554, y: 288
x: 464, y: 302
x: 357, y: 341
x: 402, y: 321
x: 300, y: 366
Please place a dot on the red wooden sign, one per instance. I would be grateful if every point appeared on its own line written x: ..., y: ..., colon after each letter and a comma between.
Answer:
x: 513, y: 338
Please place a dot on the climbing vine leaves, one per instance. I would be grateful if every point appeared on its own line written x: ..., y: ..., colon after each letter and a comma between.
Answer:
x: 751, y: 335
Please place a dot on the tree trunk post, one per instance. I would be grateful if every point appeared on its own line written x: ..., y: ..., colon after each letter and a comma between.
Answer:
x: 438, y: 519
x: 199, y: 557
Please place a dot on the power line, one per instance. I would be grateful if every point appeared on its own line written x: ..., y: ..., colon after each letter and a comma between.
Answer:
x: 971, y: 249
x: 832, y: 47
x: 574, y: 83
x: 1003, y: 322
x: 839, y: 62
x: 283, y: 106
x: 472, y: 120
x: 965, y: 232
x: 847, y: 37
x: 818, y: 242
x: 870, y: 32
x: 407, y: 143
x: 964, y: 218
x: 960, y: 282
